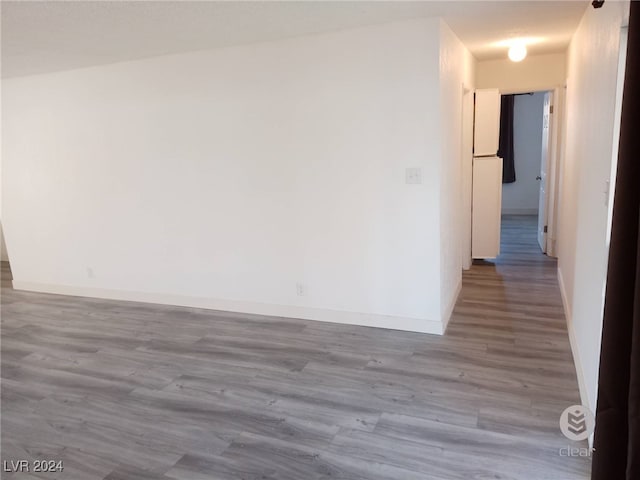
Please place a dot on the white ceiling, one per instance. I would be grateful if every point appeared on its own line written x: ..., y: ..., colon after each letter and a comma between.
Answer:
x: 47, y: 36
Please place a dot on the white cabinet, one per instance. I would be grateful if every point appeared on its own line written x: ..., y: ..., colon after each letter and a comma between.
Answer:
x: 486, y: 200
x: 487, y: 176
x: 486, y: 133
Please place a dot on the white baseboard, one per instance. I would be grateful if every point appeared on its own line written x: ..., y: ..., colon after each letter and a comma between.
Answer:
x: 584, y: 398
x: 449, y: 311
x: 253, y: 308
x: 520, y: 211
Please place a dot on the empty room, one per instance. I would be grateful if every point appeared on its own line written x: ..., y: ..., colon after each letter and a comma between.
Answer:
x: 304, y: 240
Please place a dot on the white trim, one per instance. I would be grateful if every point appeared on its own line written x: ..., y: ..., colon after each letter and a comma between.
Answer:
x: 553, y: 173
x: 584, y: 398
x: 466, y: 162
x: 452, y: 305
x: 240, y: 306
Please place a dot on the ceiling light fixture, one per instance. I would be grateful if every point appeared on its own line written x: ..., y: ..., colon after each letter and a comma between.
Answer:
x: 517, y: 51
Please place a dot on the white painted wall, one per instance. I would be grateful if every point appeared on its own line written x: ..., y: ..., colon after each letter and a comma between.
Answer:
x: 4, y: 256
x: 534, y: 73
x: 456, y: 72
x: 582, y: 243
x: 224, y: 178
x: 522, y: 196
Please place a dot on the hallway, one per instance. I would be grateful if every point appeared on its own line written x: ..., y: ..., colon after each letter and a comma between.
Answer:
x: 122, y: 390
x: 511, y: 311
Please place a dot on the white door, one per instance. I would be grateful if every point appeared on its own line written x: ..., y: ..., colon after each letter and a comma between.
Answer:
x: 544, y: 168
x: 486, y: 199
x: 486, y: 132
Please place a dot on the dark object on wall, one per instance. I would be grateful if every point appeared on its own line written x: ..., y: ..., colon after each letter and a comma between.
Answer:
x: 505, y: 147
x: 597, y: 3
x: 617, y: 435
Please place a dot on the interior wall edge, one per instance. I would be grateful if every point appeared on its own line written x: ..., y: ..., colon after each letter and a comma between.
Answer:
x: 449, y: 311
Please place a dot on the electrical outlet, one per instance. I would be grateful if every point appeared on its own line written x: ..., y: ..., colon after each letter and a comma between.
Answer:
x: 90, y: 273
x: 413, y: 176
x: 301, y: 290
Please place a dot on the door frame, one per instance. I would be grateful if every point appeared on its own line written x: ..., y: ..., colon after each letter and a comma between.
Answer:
x: 466, y: 160
x: 544, y: 202
x: 556, y: 149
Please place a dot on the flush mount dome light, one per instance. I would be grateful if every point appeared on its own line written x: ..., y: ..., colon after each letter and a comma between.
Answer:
x: 517, y: 51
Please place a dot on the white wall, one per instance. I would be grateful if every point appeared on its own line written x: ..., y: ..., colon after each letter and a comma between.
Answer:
x: 4, y: 256
x: 456, y: 72
x: 224, y: 178
x: 536, y: 72
x: 522, y: 196
x: 582, y: 243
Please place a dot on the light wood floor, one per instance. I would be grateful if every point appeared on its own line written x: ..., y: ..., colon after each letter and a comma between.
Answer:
x: 122, y: 390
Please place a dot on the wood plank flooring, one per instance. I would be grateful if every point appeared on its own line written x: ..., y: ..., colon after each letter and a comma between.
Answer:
x: 121, y: 390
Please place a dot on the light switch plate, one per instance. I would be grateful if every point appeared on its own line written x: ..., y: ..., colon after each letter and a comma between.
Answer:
x: 413, y: 176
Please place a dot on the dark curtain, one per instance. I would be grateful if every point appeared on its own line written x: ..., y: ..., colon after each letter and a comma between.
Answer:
x: 617, y: 435
x: 505, y: 148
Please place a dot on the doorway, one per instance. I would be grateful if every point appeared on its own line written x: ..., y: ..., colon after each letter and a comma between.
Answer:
x: 528, y: 194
